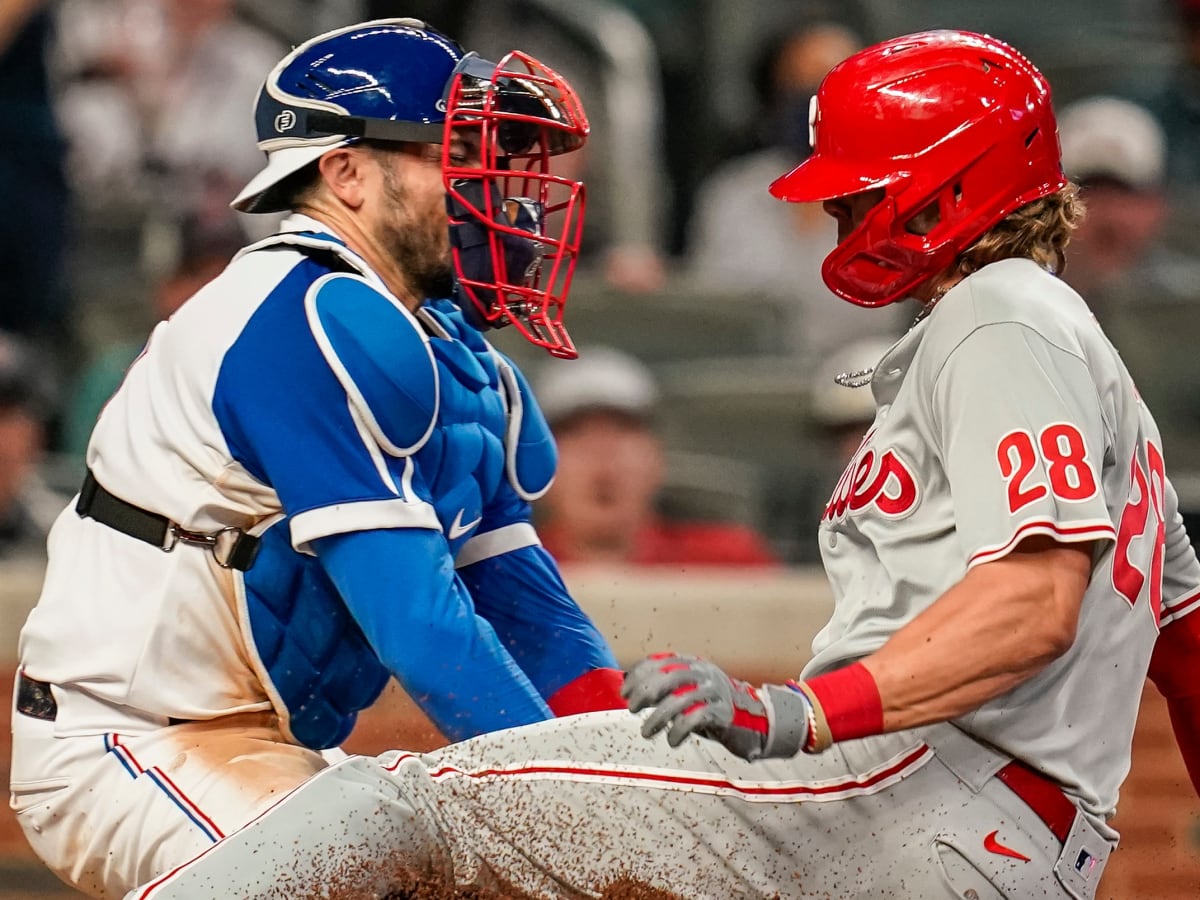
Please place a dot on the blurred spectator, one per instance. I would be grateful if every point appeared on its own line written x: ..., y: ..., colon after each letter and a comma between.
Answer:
x: 611, y: 469
x: 841, y: 404
x: 155, y: 99
x: 201, y: 250
x: 744, y: 239
x: 33, y: 234
x: 27, y: 506
x: 1116, y: 152
x: 1177, y: 107
x: 841, y: 410
x: 1144, y: 293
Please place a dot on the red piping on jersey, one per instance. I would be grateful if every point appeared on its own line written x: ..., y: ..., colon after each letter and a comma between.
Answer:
x: 1070, y: 533
x: 868, y: 783
x: 1179, y: 607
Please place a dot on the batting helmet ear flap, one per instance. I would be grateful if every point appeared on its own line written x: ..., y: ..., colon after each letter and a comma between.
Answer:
x: 877, y: 263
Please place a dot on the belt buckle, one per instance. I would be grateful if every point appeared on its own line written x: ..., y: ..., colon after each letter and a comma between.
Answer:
x: 220, y: 544
x: 224, y: 542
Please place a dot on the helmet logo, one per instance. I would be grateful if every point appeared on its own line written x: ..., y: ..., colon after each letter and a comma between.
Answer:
x: 812, y: 121
x: 285, y: 121
x: 440, y: 106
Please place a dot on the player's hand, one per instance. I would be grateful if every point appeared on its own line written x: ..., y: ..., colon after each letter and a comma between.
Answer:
x: 694, y: 696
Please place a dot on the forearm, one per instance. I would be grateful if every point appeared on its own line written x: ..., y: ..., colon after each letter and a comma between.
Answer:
x: 975, y: 643
x: 420, y: 621
x: 523, y: 597
x: 467, y: 682
x: 998, y: 627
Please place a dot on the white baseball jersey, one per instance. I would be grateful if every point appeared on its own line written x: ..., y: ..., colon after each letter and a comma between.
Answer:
x: 1007, y: 413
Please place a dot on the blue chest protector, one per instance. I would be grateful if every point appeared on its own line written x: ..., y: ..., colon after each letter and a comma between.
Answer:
x: 312, y: 657
x: 451, y: 427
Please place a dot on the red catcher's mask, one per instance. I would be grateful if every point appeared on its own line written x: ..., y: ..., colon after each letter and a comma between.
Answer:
x: 514, y: 225
x: 953, y: 120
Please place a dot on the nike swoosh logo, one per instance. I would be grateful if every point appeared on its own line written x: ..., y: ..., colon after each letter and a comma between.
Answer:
x: 994, y: 846
x: 458, y: 529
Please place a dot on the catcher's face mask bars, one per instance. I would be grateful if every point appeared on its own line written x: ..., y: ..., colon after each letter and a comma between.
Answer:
x: 515, y: 225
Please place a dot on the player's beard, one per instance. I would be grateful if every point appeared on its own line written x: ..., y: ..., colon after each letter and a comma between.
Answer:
x: 420, y: 245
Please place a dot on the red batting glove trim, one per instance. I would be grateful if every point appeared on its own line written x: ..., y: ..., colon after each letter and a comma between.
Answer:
x: 850, y: 700
x: 745, y: 719
x: 592, y: 691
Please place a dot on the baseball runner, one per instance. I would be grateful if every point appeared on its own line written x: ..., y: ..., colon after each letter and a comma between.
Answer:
x: 337, y: 465
x: 1006, y: 554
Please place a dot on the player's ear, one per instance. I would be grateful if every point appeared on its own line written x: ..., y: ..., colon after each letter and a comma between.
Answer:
x: 346, y: 173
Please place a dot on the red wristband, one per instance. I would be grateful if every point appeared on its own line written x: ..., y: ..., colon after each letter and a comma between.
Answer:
x: 850, y: 700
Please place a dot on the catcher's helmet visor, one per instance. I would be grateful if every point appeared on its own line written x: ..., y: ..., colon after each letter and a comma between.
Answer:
x: 523, y: 107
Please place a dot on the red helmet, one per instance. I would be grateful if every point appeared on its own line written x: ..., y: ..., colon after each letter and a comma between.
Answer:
x: 951, y: 118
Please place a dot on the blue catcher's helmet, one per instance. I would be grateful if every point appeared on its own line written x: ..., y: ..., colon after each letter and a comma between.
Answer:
x: 514, y: 223
x: 385, y: 79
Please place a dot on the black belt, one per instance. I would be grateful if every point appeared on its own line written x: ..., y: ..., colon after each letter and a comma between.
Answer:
x: 231, y: 547
x: 36, y: 700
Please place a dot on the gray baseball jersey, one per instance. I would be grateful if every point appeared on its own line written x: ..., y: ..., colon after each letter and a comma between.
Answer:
x: 1007, y: 413
x: 1004, y: 413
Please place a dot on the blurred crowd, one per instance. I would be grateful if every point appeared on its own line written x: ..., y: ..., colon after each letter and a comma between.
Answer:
x: 707, y: 419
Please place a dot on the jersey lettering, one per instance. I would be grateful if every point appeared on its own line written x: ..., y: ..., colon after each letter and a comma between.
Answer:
x: 1060, y: 448
x: 883, y: 480
x: 1071, y: 478
x: 1146, y: 497
x: 1017, y: 459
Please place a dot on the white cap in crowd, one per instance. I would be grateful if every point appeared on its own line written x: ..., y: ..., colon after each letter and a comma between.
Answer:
x: 1107, y: 137
x: 602, y: 378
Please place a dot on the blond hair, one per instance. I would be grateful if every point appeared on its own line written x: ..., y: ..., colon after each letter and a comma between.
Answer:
x: 1039, y: 230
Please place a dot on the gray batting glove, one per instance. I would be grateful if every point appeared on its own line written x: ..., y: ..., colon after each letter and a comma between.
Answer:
x: 694, y: 696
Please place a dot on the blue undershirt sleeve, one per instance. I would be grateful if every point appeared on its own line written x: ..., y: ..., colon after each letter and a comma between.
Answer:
x: 421, y: 621
x: 522, y: 595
